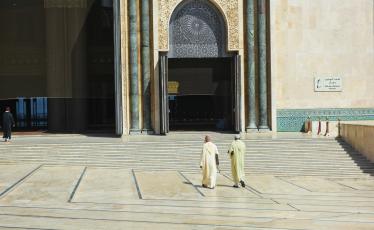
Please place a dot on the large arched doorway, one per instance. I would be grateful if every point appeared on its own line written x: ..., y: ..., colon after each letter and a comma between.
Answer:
x: 201, y: 74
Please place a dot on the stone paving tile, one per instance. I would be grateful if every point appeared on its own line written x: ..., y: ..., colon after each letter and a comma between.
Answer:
x: 358, y: 183
x: 334, y: 208
x: 48, y: 184
x: 223, y: 189
x: 11, y: 174
x: 165, y: 185
x: 313, y: 201
x: 66, y: 219
x: 27, y: 222
x: 352, y: 197
x: 316, y: 184
x: 115, y: 198
x: 100, y: 185
x: 273, y: 185
x: 357, y: 217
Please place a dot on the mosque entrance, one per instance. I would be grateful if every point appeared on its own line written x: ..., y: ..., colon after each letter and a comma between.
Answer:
x: 199, y: 94
x: 199, y: 78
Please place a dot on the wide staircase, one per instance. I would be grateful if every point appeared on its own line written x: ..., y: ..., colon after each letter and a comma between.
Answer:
x: 276, y: 156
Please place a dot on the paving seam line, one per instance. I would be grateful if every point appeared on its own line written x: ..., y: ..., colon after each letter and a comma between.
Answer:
x: 77, y: 185
x: 20, y: 181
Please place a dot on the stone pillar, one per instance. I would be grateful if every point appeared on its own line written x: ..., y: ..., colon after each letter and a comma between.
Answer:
x: 163, y: 94
x: 117, y: 6
x: 134, y: 87
x: 262, y: 49
x: 250, y: 43
x: 146, y: 64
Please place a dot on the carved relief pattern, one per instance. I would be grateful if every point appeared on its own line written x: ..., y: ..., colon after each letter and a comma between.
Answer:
x: 197, y: 30
x: 230, y: 10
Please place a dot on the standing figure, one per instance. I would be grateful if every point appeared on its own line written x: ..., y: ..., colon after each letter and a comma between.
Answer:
x: 8, y: 122
x: 236, y: 152
x: 208, y: 163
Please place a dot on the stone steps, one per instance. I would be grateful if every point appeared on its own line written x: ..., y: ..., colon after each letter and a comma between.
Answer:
x: 288, y: 156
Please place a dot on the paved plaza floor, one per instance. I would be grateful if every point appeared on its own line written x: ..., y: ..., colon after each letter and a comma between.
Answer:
x: 63, y: 196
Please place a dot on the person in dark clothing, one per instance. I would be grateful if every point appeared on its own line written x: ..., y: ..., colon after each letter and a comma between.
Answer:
x: 8, y: 123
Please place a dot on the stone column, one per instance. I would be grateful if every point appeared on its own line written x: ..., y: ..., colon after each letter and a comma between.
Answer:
x: 263, y: 125
x: 163, y: 94
x: 134, y: 87
x: 117, y: 66
x: 251, y: 90
x: 146, y: 63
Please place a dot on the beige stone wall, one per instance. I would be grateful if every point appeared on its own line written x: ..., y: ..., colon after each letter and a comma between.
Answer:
x: 360, y: 137
x: 315, y: 38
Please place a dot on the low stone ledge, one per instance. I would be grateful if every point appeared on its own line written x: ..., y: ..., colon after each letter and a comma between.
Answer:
x: 360, y: 137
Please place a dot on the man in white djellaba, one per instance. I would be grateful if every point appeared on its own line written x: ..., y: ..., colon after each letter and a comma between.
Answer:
x: 208, y: 163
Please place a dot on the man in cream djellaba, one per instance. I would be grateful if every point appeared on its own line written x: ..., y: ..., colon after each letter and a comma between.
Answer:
x: 208, y: 163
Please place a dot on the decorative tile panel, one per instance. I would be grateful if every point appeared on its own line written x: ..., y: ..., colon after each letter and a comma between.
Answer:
x: 292, y: 120
x: 229, y: 9
x: 197, y: 30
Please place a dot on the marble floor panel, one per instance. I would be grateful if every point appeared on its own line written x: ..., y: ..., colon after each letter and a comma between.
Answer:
x: 313, y: 201
x: 48, y: 184
x: 82, y: 220
x: 100, y: 185
x: 223, y: 189
x: 273, y: 185
x: 359, y: 217
x: 165, y: 185
x: 11, y: 175
x: 357, y: 183
x: 79, y: 197
x: 316, y: 184
x: 334, y: 208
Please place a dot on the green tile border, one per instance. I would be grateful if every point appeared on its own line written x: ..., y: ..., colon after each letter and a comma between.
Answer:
x: 292, y: 120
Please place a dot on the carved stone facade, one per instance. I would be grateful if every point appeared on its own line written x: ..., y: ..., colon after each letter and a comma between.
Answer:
x: 228, y: 8
x: 197, y: 30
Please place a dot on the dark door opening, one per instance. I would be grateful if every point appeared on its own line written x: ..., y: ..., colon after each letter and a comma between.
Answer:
x: 200, y: 94
x: 57, y: 65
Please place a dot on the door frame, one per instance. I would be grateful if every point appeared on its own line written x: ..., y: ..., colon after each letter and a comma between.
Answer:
x: 164, y: 97
x: 117, y: 67
x: 163, y: 91
x: 236, y: 92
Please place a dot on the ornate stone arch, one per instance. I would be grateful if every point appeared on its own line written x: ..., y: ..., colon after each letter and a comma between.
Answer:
x: 197, y: 29
x: 229, y: 10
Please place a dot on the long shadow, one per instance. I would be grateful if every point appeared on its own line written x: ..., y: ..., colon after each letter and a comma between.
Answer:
x: 361, y: 161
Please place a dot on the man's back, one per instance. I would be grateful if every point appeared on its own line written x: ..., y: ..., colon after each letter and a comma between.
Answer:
x: 237, y: 147
x: 7, y: 118
x: 236, y: 151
